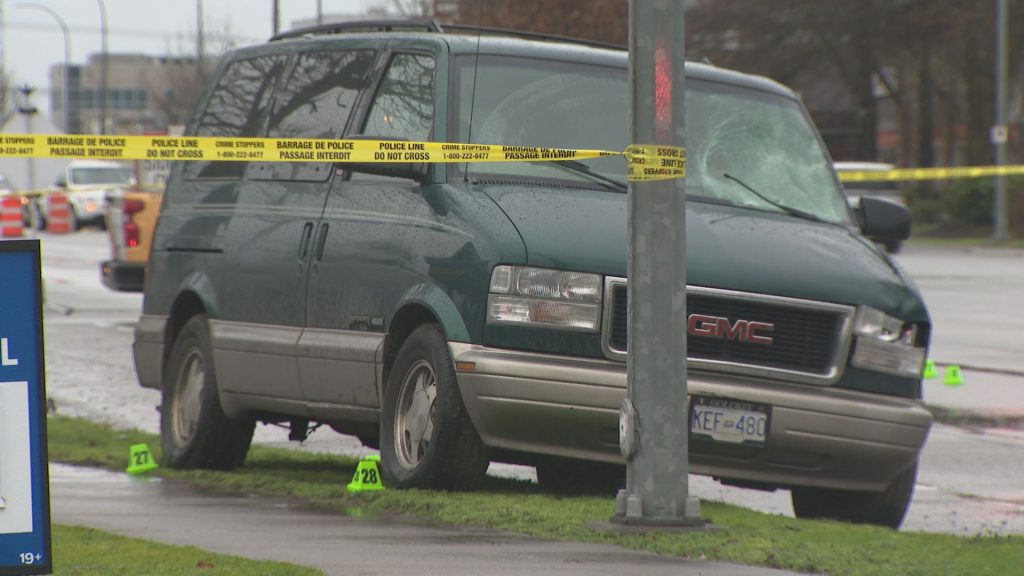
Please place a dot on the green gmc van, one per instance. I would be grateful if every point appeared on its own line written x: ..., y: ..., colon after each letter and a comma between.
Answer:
x: 457, y: 314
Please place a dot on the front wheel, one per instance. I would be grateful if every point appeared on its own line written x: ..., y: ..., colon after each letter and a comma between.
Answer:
x: 194, y: 431
x: 74, y: 222
x: 426, y: 437
x: 881, y: 508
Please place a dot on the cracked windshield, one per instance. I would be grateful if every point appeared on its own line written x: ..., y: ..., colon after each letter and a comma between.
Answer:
x: 525, y: 102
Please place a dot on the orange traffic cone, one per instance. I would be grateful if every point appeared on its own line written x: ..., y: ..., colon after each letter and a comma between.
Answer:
x: 58, y: 214
x: 11, y: 223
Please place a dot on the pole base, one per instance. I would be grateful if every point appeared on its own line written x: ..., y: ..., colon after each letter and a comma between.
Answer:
x: 629, y: 512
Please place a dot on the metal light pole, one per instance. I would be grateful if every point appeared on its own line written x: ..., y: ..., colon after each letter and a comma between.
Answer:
x: 653, y: 423
x: 103, y: 66
x: 1000, y: 203
x: 27, y: 109
x: 200, y: 49
x: 3, y: 43
x: 65, y: 104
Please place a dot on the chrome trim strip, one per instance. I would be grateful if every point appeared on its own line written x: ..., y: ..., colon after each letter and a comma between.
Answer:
x: 840, y: 349
x: 347, y: 345
x: 251, y: 337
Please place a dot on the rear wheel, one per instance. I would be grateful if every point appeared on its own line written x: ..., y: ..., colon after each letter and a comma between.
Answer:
x: 194, y: 431
x: 882, y: 508
x: 37, y: 215
x: 426, y: 437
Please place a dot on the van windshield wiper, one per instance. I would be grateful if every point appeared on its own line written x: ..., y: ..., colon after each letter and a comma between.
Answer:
x: 581, y: 168
x: 787, y: 209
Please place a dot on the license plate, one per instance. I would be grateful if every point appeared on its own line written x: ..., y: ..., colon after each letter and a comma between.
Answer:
x: 726, y: 420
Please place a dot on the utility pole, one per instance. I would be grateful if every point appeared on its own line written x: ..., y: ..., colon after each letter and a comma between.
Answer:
x: 1000, y: 203
x: 277, y: 16
x: 200, y: 50
x: 103, y: 66
x: 28, y: 110
x: 3, y: 52
x: 653, y: 423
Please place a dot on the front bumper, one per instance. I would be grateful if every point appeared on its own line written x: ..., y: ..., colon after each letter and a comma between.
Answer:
x: 819, y: 436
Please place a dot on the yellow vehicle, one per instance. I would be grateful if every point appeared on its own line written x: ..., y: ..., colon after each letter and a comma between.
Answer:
x: 130, y: 218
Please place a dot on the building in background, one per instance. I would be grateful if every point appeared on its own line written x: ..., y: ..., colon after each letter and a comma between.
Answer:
x: 144, y: 93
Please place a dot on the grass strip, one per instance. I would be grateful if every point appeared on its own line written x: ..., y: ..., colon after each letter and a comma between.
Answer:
x: 80, y: 551
x: 744, y: 537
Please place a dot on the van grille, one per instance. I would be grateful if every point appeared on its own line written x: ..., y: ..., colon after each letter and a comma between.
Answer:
x: 805, y: 339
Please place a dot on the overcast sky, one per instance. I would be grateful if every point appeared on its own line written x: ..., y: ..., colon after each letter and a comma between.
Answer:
x: 32, y: 40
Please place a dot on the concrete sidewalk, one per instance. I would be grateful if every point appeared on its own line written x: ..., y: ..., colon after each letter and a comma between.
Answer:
x: 276, y: 529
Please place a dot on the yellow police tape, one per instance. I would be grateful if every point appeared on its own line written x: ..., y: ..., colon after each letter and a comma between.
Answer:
x: 930, y: 173
x: 645, y: 162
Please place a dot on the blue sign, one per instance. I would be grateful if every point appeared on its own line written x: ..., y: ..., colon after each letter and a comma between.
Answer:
x: 24, y: 477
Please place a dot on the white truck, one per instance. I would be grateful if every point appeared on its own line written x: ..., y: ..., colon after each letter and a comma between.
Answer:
x: 87, y: 184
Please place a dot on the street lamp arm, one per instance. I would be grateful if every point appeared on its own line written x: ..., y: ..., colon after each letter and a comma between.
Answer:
x: 65, y: 104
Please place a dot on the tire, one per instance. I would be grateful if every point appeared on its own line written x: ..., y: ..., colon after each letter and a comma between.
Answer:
x: 74, y: 222
x: 565, y: 476
x: 194, y: 432
x: 880, y: 508
x: 426, y: 437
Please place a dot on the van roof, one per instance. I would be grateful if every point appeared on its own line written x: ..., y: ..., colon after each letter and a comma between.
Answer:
x: 462, y: 39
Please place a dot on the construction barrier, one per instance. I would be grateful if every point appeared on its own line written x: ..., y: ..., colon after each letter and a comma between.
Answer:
x: 58, y: 213
x: 11, y: 221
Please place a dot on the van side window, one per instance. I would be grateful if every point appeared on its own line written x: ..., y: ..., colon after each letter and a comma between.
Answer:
x: 237, y: 108
x: 404, y: 104
x: 315, y: 102
x: 403, y: 107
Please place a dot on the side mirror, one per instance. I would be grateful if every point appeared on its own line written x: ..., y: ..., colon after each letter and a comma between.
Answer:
x: 882, y: 219
x: 416, y: 171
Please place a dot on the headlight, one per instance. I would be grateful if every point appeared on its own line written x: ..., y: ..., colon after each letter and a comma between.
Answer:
x: 886, y: 344
x: 544, y: 297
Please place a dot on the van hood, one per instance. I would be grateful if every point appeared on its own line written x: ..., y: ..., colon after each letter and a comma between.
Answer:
x: 727, y: 247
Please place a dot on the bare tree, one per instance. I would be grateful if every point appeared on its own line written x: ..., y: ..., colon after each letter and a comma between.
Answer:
x: 933, y: 59
x: 601, y: 20
x: 414, y: 8
x: 178, y: 85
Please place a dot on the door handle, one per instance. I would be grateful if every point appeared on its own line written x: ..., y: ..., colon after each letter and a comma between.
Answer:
x: 307, y: 234
x: 321, y: 242
x: 304, y: 240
